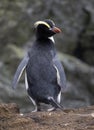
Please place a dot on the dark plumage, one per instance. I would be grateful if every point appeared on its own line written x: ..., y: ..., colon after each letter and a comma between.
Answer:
x: 45, y: 77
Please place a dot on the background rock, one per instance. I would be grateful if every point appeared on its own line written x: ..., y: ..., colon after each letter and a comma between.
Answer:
x: 76, y: 19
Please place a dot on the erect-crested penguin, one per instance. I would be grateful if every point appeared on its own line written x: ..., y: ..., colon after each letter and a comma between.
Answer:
x: 44, y: 75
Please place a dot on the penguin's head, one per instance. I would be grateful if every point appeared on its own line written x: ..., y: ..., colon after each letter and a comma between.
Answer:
x: 46, y: 28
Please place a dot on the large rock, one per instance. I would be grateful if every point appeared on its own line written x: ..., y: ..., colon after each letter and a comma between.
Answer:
x: 80, y: 85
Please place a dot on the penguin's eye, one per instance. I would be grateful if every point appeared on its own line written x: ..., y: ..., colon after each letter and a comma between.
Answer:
x: 50, y: 29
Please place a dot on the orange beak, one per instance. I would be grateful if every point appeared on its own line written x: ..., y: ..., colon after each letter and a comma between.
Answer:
x: 56, y: 30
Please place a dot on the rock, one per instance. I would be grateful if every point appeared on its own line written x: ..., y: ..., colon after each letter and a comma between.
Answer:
x: 75, y: 18
x: 82, y: 118
x: 11, y: 108
x: 80, y: 92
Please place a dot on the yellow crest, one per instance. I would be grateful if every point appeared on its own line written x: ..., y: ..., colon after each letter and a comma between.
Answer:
x: 41, y: 22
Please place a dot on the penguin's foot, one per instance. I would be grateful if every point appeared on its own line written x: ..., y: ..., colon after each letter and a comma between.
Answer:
x: 35, y: 110
x: 37, y: 107
x: 51, y: 109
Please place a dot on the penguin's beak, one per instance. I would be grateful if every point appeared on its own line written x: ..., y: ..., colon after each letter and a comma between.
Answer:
x: 56, y: 30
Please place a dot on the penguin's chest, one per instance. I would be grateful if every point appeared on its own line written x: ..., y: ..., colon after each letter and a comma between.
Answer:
x: 41, y: 76
x: 40, y: 68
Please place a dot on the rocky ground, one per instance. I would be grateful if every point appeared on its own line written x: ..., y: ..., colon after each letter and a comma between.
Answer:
x: 74, y: 119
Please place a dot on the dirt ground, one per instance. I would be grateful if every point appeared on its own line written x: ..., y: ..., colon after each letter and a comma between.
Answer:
x: 74, y: 119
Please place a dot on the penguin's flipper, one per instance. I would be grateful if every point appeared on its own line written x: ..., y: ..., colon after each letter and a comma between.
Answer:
x: 19, y: 71
x: 61, y: 78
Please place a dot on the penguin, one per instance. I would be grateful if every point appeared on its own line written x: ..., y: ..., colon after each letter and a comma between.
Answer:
x: 44, y: 74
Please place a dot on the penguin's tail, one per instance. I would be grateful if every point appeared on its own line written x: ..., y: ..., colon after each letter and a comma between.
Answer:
x: 54, y: 103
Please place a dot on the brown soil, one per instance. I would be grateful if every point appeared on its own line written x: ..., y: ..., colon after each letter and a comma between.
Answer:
x: 74, y: 119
